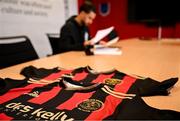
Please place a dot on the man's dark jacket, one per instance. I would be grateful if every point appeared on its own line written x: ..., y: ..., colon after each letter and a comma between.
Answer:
x: 72, y: 36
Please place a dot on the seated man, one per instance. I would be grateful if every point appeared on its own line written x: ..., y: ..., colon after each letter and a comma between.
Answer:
x: 74, y: 34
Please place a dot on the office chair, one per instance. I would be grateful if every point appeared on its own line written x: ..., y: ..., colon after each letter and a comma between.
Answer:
x: 15, y: 50
x: 53, y: 39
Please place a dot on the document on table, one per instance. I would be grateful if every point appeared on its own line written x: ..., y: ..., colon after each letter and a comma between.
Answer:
x: 107, y: 51
x: 101, y: 34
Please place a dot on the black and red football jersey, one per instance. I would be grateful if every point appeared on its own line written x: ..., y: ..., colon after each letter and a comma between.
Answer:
x: 40, y: 97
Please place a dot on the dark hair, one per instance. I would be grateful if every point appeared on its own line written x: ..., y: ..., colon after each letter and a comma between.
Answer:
x: 87, y: 8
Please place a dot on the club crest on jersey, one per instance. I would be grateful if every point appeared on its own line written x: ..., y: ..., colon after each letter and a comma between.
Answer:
x: 90, y: 105
x: 112, y: 81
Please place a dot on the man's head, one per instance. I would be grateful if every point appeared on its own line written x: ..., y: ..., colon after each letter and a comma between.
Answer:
x: 87, y: 14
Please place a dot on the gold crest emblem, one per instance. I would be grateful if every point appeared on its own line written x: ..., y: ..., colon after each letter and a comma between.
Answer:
x: 90, y: 105
x: 112, y: 81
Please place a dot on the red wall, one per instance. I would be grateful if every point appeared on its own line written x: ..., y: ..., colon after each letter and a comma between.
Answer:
x: 118, y: 19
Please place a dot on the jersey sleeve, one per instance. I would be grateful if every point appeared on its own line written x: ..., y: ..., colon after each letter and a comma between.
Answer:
x: 37, y: 73
x: 151, y: 87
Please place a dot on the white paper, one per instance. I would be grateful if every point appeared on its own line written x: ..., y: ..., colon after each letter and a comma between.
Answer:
x: 101, y: 34
x: 113, y: 41
x: 107, y: 51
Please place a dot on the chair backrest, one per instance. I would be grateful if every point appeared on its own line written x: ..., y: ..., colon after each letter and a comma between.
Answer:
x: 53, y: 39
x: 15, y: 50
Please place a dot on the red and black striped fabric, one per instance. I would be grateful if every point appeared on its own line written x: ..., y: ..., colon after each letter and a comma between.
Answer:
x: 44, y: 99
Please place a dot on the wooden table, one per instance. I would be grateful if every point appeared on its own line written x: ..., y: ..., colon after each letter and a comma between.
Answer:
x: 158, y: 59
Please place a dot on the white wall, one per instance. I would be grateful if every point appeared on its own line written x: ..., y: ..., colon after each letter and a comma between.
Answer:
x: 35, y: 18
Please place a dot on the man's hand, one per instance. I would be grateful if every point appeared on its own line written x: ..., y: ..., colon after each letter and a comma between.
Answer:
x: 102, y: 42
x: 86, y: 43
